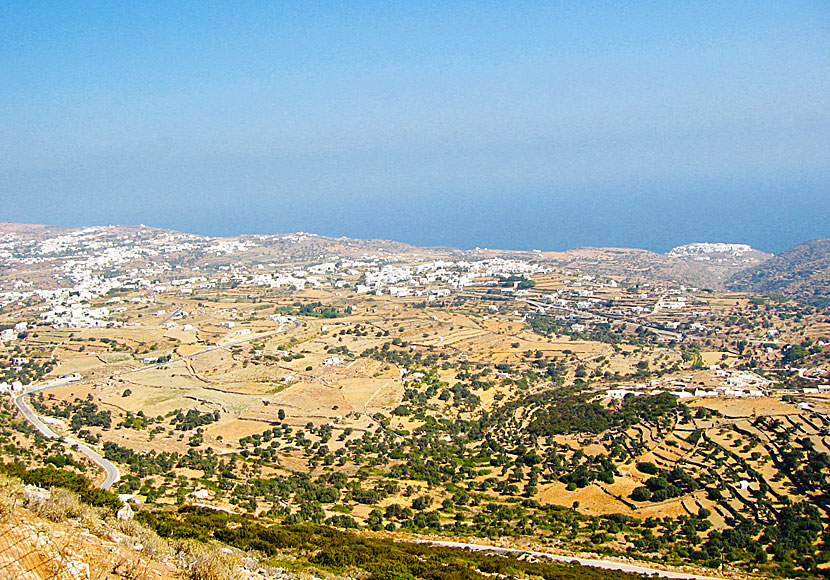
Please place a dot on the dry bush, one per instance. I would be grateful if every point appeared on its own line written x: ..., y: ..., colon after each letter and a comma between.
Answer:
x: 201, y: 562
x: 146, y: 540
x: 10, y: 495
x: 130, y: 568
x: 62, y: 504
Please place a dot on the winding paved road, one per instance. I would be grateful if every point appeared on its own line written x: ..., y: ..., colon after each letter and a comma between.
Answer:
x: 112, y: 473
x: 595, y: 563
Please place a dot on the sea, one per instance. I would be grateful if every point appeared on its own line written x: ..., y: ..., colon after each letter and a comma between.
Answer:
x: 768, y: 216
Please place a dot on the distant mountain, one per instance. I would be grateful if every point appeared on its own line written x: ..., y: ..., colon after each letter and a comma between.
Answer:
x: 705, y: 265
x: 802, y: 273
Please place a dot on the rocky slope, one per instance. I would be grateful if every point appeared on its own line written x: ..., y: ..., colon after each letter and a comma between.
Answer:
x: 52, y: 535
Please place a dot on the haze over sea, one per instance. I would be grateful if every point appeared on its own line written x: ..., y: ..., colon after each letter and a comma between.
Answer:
x: 542, y: 125
x: 770, y: 216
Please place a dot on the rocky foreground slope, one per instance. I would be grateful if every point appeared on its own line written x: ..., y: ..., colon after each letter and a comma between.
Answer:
x: 52, y: 535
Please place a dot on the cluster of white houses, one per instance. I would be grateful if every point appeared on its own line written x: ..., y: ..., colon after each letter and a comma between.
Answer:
x: 739, y: 385
x: 439, y: 278
x: 88, y: 263
x: 723, y: 392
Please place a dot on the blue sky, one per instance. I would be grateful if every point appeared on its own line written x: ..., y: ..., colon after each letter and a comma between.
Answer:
x: 517, y: 125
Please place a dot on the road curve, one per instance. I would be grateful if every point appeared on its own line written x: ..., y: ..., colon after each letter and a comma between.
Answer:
x: 593, y: 562
x: 113, y: 475
x: 111, y: 471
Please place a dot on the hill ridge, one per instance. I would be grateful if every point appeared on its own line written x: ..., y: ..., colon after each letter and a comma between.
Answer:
x: 801, y: 272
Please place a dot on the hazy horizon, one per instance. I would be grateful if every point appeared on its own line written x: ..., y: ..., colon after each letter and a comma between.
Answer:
x: 546, y: 126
